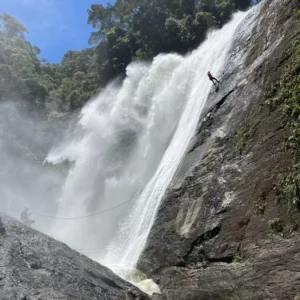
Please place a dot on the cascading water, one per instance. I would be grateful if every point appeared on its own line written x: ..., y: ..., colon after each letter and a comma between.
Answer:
x: 132, y: 237
x: 127, y: 147
x: 120, y: 140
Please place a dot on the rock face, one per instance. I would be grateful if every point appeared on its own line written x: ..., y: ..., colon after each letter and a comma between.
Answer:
x: 36, y: 267
x: 224, y: 230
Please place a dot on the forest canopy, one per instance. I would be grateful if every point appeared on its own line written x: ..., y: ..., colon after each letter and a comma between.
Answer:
x: 126, y: 31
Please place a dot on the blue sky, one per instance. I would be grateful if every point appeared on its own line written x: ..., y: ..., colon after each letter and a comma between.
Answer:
x: 55, y: 26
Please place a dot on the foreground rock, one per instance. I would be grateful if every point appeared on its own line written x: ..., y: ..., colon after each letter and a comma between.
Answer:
x: 271, y: 272
x: 35, y: 267
x: 224, y: 229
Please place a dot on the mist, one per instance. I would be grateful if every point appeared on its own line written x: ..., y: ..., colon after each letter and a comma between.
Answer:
x: 95, y: 179
x: 126, y: 147
x: 26, y: 138
x: 116, y: 147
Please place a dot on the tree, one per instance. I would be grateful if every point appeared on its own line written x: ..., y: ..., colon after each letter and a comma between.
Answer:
x: 140, y: 29
x: 103, y: 19
x: 125, y: 31
x: 11, y: 27
x: 243, y: 4
x: 21, y: 73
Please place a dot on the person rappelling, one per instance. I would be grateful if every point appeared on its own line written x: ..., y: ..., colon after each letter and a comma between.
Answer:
x: 212, y: 79
x: 25, y: 217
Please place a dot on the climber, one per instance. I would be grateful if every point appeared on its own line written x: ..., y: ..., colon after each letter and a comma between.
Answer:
x: 25, y: 217
x: 213, y: 79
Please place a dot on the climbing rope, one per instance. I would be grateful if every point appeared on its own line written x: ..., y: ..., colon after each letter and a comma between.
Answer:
x: 83, y: 217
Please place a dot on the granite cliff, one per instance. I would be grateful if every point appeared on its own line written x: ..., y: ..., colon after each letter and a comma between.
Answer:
x: 226, y: 228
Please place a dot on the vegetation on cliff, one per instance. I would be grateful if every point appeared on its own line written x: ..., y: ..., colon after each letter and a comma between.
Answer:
x: 286, y: 94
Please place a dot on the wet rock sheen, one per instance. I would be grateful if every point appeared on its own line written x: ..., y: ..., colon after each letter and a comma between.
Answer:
x: 212, y: 238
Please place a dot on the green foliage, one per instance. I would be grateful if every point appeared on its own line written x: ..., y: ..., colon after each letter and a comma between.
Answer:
x: 241, y: 139
x: 22, y: 75
x: 287, y: 96
x: 133, y: 29
x: 291, y: 186
x: 275, y: 225
x: 79, y: 78
x: 77, y: 90
x: 126, y: 31
x: 11, y: 27
x: 237, y: 258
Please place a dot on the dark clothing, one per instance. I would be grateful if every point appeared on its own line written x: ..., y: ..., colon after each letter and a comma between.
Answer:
x: 213, y: 79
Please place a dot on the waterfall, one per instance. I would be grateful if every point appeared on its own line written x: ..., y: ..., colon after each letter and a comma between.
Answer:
x: 127, y: 146
x: 133, y: 234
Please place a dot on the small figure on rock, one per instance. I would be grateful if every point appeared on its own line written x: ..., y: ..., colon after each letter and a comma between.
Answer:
x: 25, y: 217
x: 213, y: 79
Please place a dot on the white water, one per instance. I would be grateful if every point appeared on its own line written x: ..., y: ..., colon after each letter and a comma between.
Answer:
x: 127, y: 147
x: 211, y: 55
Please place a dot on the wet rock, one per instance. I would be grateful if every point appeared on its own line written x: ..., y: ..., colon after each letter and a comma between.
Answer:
x: 211, y: 238
x: 35, y: 267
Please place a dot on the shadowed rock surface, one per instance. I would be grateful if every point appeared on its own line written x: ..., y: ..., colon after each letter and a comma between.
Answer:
x: 212, y: 237
x: 35, y: 267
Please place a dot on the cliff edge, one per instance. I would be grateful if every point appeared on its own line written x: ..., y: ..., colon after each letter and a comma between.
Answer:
x: 33, y: 266
x: 226, y: 228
